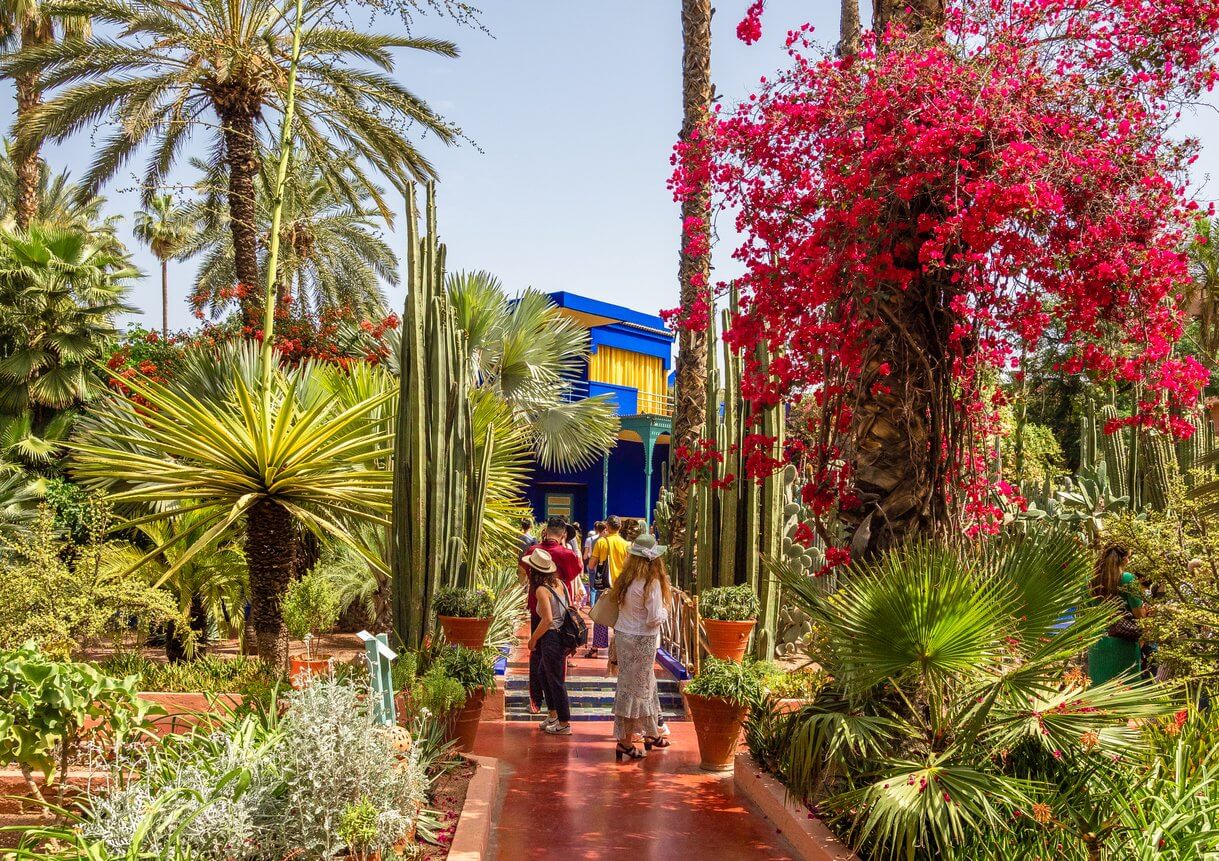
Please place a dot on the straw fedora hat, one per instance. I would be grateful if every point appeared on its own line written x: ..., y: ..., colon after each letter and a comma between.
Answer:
x: 539, y: 560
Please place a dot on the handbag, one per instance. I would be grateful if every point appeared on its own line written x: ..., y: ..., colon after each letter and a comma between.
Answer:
x: 604, y: 612
x: 601, y: 577
x: 1125, y: 628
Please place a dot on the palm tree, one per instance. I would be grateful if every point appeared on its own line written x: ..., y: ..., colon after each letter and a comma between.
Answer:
x: 30, y: 24
x: 848, y: 29
x: 332, y: 254
x: 694, y: 267
x: 59, y: 293
x: 528, y: 354
x: 947, y: 670
x: 308, y: 451
x: 60, y: 202
x: 181, y: 62
x: 167, y: 229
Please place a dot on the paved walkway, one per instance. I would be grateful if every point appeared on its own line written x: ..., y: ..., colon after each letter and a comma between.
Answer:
x: 566, y: 798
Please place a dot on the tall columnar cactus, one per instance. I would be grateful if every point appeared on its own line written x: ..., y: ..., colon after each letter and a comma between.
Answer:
x: 439, y: 496
x: 1113, y: 447
x: 1159, y: 468
x: 736, y: 520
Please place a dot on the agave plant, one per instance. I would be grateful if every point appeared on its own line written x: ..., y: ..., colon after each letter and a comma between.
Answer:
x: 305, y: 450
x: 950, y: 673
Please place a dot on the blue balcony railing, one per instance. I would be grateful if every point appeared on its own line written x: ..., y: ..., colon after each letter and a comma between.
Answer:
x: 630, y: 401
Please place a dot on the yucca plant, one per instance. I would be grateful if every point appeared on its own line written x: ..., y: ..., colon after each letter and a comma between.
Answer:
x: 307, y: 452
x: 951, y: 678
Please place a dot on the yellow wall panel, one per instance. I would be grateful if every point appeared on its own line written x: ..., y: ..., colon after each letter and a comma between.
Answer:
x: 625, y: 368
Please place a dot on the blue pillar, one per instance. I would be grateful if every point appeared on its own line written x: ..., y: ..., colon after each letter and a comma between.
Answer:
x: 605, y: 485
x: 649, y: 445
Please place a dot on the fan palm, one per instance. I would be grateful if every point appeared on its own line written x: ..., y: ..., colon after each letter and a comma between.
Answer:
x: 178, y: 63
x: 331, y: 253
x: 29, y: 24
x: 528, y: 354
x: 950, y: 694
x: 59, y: 293
x: 167, y: 229
x: 307, y: 448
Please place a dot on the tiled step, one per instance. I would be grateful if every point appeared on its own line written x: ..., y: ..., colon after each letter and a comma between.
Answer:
x: 580, y: 713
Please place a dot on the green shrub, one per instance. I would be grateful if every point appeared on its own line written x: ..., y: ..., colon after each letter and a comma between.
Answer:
x: 472, y: 669
x: 738, y: 683
x: 358, y: 827
x: 438, y: 692
x: 800, y: 684
x: 729, y: 604
x: 311, y: 606
x: 45, y: 704
x: 464, y: 603
x: 254, y: 680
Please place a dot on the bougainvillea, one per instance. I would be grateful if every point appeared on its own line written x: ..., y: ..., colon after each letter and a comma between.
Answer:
x: 915, y: 216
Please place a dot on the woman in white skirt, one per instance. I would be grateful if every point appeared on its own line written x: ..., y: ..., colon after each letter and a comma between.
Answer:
x: 642, y: 592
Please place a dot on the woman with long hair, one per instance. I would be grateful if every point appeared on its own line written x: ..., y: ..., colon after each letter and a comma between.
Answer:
x: 642, y: 592
x: 1116, y: 653
x: 547, y: 655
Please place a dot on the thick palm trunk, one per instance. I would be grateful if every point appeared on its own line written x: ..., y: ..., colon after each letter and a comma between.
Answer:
x: 29, y: 97
x: 904, y: 428
x: 270, y: 548
x: 241, y: 152
x: 164, y: 298
x: 694, y: 269
x: 848, y: 30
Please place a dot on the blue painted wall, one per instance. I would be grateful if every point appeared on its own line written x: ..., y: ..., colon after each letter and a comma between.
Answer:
x: 626, y: 484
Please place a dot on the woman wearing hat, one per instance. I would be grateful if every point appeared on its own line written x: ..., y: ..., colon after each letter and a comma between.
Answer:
x: 642, y: 592
x: 547, y: 655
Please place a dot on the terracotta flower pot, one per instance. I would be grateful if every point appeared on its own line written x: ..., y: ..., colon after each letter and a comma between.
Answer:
x: 300, y: 671
x: 463, y: 721
x: 461, y: 631
x: 727, y: 640
x: 717, y: 723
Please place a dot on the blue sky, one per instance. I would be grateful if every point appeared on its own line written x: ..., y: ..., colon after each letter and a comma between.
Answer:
x: 572, y: 107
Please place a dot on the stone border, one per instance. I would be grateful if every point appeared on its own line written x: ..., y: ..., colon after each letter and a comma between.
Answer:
x: 473, y: 833
x: 809, y: 836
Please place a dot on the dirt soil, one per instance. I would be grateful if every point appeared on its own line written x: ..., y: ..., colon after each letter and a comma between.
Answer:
x: 448, y: 797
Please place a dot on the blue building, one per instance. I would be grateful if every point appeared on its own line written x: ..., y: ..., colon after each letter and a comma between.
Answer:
x: 631, y: 359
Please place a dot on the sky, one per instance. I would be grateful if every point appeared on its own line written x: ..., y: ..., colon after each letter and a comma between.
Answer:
x: 571, y: 109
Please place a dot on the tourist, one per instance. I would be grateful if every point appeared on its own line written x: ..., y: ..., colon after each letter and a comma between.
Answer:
x: 547, y: 655
x: 593, y: 534
x: 643, y: 592
x: 567, y: 569
x: 607, y: 558
x: 1116, y: 653
x: 525, y: 540
x: 573, y: 538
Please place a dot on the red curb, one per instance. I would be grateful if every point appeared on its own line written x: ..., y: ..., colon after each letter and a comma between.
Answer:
x: 809, y: 836
x: 473, y: 833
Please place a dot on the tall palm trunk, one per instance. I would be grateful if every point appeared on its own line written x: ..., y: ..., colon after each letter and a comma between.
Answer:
x: 848, y: 29
x: 29, y: 96
x: 164, y: 297
x: 270, y: 548
x: 241, y: 153
x: 694, y: 269
x: 904, y: 429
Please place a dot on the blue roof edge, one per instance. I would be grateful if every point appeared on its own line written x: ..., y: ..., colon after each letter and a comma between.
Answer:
x: 599, y: 308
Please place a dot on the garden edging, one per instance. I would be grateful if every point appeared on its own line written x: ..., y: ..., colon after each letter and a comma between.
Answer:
x: 809, y: 836
x: 473, y: 833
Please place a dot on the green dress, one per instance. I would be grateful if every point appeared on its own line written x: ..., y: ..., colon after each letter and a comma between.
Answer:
x: 1113, y: 656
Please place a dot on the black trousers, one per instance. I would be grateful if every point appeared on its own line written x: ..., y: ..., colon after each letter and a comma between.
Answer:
x: 548, y: 674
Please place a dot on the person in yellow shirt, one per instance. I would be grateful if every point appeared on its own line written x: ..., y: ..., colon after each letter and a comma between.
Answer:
x: 610, y: 548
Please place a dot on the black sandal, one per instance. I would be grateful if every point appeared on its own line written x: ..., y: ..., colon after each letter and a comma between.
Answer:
x: 658, y: 741
x: 629, y: 751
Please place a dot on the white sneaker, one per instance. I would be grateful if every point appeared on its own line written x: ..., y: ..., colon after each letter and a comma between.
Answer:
x: 548, y: 722
x: 557, y: 728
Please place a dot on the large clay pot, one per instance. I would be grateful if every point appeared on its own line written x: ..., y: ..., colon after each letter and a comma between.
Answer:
x: 463, y: 722
x: 727, y: 640
x: 717, y: 723
x: 471, y: 633
x: 300, y: 671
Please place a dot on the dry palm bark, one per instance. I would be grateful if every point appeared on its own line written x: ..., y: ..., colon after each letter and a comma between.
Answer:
x: 694, y: 269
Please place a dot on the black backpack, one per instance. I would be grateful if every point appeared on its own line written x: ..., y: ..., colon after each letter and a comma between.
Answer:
x: 573, y: 633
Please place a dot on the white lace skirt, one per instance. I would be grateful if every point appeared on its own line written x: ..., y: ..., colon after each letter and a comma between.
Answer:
x: 636, y: 703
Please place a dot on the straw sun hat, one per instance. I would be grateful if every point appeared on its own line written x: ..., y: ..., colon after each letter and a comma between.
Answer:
x: 539, y: 560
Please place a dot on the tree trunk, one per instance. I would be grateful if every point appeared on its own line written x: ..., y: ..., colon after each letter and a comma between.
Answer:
x: 241, y: 153
x: 270, y: 549
x: 29, y: 97
x: 917, y: 16
x: 165, y: 298
x: 848, y: 39
x: 694, y: 270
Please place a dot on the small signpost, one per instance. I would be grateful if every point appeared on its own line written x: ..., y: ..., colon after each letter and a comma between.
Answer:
x: 379, y: 656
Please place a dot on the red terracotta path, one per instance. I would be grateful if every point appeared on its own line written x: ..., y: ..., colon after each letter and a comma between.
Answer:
x: 567, y: 799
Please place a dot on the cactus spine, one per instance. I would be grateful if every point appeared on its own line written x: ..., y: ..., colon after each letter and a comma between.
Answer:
x: 438, y: 496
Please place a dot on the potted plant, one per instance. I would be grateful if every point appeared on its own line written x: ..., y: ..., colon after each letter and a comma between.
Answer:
x: 729, y: 614
x: 310, y: 606
x: 474, y: 671
x: 718, y: 700
x: 465, y: 615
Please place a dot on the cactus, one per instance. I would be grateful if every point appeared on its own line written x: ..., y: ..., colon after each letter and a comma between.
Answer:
x: 1113, y: 448
x: 741, y: 522
x: 1159, y: 469
x: 439, y: 493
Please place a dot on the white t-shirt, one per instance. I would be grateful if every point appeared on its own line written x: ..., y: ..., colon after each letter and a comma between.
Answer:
x: 640, y: 614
